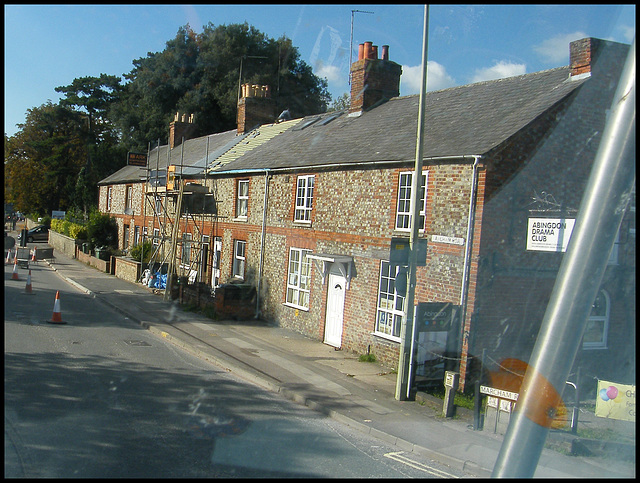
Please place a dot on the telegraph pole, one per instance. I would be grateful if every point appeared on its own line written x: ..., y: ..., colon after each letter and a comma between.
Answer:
x: 407, y: 332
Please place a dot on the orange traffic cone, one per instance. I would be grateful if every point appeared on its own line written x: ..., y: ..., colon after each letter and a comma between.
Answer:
x: 8, y: 260
x: 57, y: 316
x: 28, y: 288
x: 14, y: 276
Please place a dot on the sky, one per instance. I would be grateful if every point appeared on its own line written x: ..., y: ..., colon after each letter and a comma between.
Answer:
x: 47, y: 46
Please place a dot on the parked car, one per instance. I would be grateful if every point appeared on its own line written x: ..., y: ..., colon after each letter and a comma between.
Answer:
x: 36, y: 234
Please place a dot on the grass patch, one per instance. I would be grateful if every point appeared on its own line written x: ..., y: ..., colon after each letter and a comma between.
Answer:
x: 459, y: 399
x: 367, y: 358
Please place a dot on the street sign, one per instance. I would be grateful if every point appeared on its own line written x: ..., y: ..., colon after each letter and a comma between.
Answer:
x: 399, y: 252
x: 137, y: 159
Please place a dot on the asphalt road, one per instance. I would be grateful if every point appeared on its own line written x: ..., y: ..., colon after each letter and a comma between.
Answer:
x: 99, y: 396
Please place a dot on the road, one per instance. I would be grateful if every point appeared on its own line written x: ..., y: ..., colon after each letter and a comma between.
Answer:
x: 99, y: 396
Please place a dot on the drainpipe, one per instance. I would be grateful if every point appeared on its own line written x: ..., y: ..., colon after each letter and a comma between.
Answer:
x: 262, y: 240
x: 467, y: 252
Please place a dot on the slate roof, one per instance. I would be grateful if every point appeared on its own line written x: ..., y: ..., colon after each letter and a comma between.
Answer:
x: 194, y: 151
x: 468, y: 120
x: 223, y: 148
x: 465, y: 120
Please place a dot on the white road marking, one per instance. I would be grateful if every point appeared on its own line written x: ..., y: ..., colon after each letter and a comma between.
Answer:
x: 398, y: 456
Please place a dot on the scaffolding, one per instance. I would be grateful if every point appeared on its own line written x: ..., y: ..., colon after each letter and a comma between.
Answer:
x: 179, y: 205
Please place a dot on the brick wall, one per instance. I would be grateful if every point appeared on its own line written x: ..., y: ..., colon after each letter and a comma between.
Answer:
x: 346, y: 222
x: 542, y: 172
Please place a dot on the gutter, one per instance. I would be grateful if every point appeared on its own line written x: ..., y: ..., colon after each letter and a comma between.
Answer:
x: 464, y: 291
x: 262, y: 240
x: 426, y: 161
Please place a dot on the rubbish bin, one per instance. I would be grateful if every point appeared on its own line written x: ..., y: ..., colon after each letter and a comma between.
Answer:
x: 102, y: 253
x: 85, y: 248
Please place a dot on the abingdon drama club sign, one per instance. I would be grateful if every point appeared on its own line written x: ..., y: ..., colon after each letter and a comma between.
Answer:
x: 549, y: 234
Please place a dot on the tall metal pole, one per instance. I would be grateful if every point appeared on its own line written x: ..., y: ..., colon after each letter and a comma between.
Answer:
x: 606, y: 196
x: 407, y: 332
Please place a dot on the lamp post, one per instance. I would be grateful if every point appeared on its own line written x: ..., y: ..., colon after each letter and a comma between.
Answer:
x: 407, y: 332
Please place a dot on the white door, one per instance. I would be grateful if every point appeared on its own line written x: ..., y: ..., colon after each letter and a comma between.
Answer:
x: 335, y: 308
x: 215, y: 265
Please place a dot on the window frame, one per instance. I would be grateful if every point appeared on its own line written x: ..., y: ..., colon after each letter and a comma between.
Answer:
x: 185, y: 255
x: 128, y: 199
x: 242, y: 200
x: 392, y: 300
x: 109, y: 195
x: 596, y: 319
x: 298, y: 283
x: 405, y: 213
x: 304, y: 201
x: 239, y: 261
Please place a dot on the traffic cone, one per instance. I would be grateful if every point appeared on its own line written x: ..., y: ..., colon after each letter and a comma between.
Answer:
x: 28, y: 288
x: 8, y: 260
x: 57, y: 316
x: 14, y: 276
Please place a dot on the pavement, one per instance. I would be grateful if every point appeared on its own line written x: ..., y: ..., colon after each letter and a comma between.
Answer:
x: 333, y: 382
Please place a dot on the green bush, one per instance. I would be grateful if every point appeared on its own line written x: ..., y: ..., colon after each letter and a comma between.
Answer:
x: 57, y: 226
x: 67, y: 228
x: 144, y: 249
x: 102, y: 231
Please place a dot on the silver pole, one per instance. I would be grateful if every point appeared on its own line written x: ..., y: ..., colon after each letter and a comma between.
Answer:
x: 606, y: 196
x: 407, y: 332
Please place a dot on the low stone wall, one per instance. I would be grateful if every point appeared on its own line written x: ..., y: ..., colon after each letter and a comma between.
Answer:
x: 127, y: 269
x: 92, y: 261
x: 63, y: 243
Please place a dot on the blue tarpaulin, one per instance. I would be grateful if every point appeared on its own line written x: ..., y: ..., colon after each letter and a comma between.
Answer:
x: 159, y: 281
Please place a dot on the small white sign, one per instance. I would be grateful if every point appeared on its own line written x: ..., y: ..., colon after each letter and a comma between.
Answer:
x: 505, y: 405
x: 549, y: 234
x: 451, y: 240
x: 500, y: 393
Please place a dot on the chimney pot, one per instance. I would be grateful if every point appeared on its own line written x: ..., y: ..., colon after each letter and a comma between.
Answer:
x: 374, y: 52
x: 367, y: 50
x: 360, y: 51
x: 385, y: 52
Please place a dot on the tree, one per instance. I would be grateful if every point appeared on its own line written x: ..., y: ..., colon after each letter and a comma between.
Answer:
x: 92, y: 98
x: 341, y: 103
x: 43, y: 159
x: 94, y: 95
x: 199, y: 74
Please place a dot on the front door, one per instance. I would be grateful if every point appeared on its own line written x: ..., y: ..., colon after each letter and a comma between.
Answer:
x: 335, y: 308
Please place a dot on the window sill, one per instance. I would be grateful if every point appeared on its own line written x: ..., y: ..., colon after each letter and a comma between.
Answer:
x: 241, y: 219
x: 298, y: 307
x: 302, y: 224
x: 390, y: 338
x: 594, y: 347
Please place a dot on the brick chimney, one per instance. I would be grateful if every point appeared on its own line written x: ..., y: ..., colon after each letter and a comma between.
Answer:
x: 255, y: 107
x: 583, y: 54
x: 182, y: 126
x: 372, y: 79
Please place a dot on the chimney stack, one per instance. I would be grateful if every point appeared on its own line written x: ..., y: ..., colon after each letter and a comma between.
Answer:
x: 182, y: 126
x: 583, y: 54
x: 372, y: 79
x: 255, y: 107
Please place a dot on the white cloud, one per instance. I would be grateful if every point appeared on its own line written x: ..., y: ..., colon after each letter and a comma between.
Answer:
x: 331, y: 72
x: 437, y: 78
x: 556, y: 49
x: 498, y: 71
